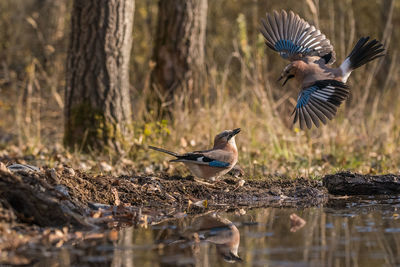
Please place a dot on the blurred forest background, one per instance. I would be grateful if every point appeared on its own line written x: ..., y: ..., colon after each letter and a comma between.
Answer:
x: 238, y: 89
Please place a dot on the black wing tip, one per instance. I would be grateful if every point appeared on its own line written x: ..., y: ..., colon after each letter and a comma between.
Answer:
x: 323, y: 83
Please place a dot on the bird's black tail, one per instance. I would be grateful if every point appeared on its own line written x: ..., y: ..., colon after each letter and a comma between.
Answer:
x: 365, y: 51
x: 164, y: 151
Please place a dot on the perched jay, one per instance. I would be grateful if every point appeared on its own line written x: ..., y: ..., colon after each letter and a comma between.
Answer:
x: 210, y: 163
x: 323, y: 88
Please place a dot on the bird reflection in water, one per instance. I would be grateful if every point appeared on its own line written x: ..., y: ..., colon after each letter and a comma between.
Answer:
x: 188, y: 241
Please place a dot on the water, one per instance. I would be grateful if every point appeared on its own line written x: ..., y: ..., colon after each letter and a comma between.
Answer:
x: 344, y: 232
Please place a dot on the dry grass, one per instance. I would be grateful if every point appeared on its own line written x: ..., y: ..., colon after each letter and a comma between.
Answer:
x: 240, y: 92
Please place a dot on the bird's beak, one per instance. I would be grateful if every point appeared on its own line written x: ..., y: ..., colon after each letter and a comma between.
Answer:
x: 234, y: 132
x: 287, y: 79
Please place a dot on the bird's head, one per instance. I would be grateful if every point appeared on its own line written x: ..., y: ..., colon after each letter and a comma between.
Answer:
x: 227, y: 136
x: 288, y: 72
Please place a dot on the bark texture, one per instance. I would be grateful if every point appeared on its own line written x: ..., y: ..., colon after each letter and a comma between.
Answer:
x: 97, y: 103
x: 346, y: 183
x: 179, y: 48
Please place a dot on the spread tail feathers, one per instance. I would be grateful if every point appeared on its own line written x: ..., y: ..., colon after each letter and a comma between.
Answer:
x: 365, y: 51
x: 164, y: 151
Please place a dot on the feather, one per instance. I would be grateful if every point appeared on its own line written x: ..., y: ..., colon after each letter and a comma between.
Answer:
x: 296, y: 115
x: 328, y: 113
x: 320, y: 101
x: 307, y: 117
x: 278, y: 24
x: 266, y: 31
x: 312, y: 115
x: 362, y: 53
x: 285, y: 26
x: 317, y: 112
x: 273, y: 26
x: 294, y: 38
x: 219, y: 164
x: 301, y: 118
x: 164, y: 151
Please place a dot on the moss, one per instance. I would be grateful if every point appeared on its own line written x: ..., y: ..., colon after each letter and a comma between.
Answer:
x: 89, y: 129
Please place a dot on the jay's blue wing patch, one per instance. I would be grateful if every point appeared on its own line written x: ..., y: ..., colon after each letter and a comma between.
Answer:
x: 294, y: 38
x: 287, y: 48
x: 220, y: 164
x: 199, y: 158
x: 319, y: 101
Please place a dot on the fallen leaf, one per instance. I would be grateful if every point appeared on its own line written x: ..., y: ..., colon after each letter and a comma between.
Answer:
x: 296, y: 222
x: 113, y: 235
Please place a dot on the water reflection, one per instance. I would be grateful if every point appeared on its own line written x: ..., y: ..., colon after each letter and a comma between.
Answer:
x: 349, y: 232
x: 201, y: 230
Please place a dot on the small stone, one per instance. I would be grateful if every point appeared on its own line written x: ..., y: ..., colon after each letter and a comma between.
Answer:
x: 241, y: 182
x: 53, y: 175
x: 105, y: 167
x: 201, y: 203
x: 149, y: 170
x: 83, y: 166
x: 240, y: 212
x: 69, y: 171
x: 62, y: 189
x: 184, y: 143
x: 3, y: 167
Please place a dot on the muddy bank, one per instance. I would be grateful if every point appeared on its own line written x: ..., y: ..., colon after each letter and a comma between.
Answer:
x: 49, y: 197
x: 71, y: 195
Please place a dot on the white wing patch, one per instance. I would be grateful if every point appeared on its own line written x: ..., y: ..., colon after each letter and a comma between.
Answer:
x: 345, y: 68
x: 324, y: 93
x: 200, y: 159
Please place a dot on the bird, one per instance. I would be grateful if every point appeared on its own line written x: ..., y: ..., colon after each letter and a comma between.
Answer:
x: 212, y: 163
x: 323, y: 88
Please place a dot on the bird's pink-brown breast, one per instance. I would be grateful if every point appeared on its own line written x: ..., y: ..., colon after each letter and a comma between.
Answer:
x: 310, y: 70
x: 206, y: 172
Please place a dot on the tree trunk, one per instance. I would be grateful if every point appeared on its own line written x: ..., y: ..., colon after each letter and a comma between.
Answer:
x: 179, y: 48
x: 97, y: 103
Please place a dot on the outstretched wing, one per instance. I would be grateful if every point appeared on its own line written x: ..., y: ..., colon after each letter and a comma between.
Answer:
x: 294, y: 38
x: 201, y: 159
x: 319, y: 101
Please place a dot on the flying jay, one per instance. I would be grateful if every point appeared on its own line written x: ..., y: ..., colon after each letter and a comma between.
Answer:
x: 310, y: 53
